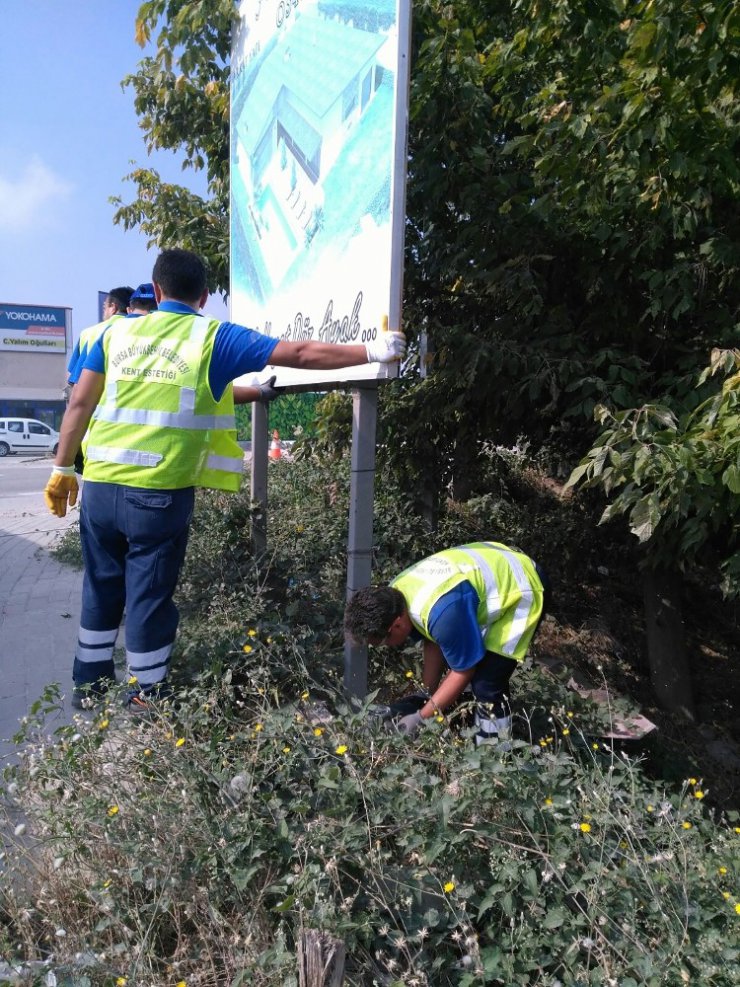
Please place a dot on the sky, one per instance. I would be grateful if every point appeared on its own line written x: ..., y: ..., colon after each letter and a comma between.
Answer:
x: 70, y: 135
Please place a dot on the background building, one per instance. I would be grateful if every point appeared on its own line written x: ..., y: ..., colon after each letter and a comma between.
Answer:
x: 35, y: 342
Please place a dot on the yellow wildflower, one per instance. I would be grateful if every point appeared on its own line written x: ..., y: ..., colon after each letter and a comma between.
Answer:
x: 595, y: 747
x: 112, y: 810
x: 103, y: 724
x: 721, y: 870
x: 737, y: 908
x: 585, y: 827
x: 569, y: 715
x: 121, y: 982
x: 251, y: 632
x: 439, y: 718
x: 181, y: 983
x: 692, y: 781
x: 650, y: 808
x: 409, y: 674
x: 132, y: 681
x: 566, y: 732
x: 147, y: 752
x: 318, y: 731
x: 685, y: 825
x: 299, y: 529
x: 304, y: 694
x: 342, y: 749
x: 698, y: 795
x: 179, y: 742
x: 449, y: 886
x: 247, y: 648
x: 269, y: 640
x: 286, y: 750
x: 726, y: 895
x: 548, y: 801
x: 258, y: 727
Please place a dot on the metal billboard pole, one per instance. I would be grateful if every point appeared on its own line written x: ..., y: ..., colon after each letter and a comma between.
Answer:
x: 360, y: 539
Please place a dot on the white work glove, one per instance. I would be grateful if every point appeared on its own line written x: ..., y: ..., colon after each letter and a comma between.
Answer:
x: 388, y: 347
x: 61, y: 489
x: 267, y: 391
x: 410, y: 725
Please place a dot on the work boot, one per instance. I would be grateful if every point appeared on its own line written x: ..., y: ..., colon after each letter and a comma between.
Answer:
x: 493, y: 730
x: 148, y: 701
x: 88, y: 695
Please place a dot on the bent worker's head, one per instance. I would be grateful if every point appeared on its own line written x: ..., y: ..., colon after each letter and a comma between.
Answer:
x: 377, y: 615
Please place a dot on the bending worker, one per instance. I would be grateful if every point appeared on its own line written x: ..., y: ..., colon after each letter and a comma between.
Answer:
x: 160, y: 387
x: 476, y: 609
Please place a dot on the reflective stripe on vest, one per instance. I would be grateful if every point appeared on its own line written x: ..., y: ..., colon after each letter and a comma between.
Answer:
x: 127, y: 457
x: 521, y: 614
x: 184, y: 418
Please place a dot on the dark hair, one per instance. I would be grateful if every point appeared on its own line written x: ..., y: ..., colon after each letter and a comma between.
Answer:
x: 181, y: 275
x: 120, y: 298
x: 144, y: 304
x: 371, y: 611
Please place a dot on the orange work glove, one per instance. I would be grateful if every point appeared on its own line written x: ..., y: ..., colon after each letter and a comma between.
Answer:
x: 61, y: 489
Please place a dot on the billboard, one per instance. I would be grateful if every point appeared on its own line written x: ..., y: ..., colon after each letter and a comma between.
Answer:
x: 319, y: 97
x: 33, y: 328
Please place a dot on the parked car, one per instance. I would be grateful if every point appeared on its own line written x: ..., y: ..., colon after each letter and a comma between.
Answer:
x: 26, y: 435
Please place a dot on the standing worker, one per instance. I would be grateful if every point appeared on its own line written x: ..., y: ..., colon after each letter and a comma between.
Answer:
x: 161, y: 390
x: 115, y: 306
x: 476, y: 609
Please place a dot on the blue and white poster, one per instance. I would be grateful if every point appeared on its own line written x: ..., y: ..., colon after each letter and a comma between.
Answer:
x: 319, y: 99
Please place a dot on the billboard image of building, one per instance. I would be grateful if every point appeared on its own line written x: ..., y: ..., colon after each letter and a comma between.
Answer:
x: 315, y: 149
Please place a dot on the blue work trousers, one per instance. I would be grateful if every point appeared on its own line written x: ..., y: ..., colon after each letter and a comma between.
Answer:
x: 490, y: 683
x: 133, y: 547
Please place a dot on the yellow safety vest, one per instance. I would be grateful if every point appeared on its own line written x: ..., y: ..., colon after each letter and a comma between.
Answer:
x: 510, y: 592
x: 92, y: 333
x: 158, y: 424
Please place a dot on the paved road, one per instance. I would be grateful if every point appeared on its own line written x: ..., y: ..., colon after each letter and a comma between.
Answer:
x: 39, y: 597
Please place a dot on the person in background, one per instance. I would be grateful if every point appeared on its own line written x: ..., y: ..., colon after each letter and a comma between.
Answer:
x: 115, y: 306
x: 476, y: 609
x: 157, y: 396
x: 142, y: 300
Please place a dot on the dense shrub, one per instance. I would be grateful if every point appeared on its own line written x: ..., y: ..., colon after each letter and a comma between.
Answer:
x: 194, y: 848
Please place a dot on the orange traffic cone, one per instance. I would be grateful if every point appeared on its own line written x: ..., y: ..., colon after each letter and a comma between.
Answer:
x: 275, y: 450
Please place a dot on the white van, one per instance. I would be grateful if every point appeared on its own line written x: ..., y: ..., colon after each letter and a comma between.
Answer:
x: 26, y: 435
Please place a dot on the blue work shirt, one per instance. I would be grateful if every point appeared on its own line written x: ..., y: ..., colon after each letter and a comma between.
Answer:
x: 453, y: 625
x: 236, y: 351
x: 77, y: 360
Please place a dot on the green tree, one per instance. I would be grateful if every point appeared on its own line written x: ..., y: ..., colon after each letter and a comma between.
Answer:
x: 181, y: 96
x: 676, y: 478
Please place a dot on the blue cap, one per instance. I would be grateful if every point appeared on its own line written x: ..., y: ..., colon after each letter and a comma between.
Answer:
x: 145, y: 292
